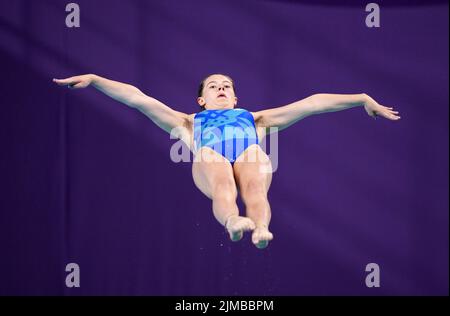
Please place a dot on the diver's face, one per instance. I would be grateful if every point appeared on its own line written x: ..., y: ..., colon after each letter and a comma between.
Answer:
x: 218, y: 93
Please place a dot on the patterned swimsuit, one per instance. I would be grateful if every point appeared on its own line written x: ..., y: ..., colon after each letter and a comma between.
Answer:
x: 227, y: 131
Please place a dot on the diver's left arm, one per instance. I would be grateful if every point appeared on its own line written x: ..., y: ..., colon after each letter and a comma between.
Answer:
x: 284, y: 116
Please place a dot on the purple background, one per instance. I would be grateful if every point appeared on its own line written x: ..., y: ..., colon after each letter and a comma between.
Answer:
x: 85, y: 179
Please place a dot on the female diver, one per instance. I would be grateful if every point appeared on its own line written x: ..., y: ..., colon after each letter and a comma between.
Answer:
x: 231, y: 137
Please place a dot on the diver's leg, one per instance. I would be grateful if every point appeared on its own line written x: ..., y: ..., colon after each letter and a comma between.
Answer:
x: 254, y: 177
x: 215, y: 179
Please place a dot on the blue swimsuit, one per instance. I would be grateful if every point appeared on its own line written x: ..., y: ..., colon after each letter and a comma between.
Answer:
x: 228, y: 132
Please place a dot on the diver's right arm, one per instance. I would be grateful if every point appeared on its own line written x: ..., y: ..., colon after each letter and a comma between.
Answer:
x: 162, y: 115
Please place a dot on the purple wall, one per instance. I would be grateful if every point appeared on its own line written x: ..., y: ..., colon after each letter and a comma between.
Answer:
x: 85, y: 179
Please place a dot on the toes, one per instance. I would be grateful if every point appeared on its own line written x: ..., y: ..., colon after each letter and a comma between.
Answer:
x: 248, y: 225
x: 255, y: 238
x: 261, y: 239
x: 245, y: 224
x: 262, y: 244
x: 237, y: 226
x: 236, y: 236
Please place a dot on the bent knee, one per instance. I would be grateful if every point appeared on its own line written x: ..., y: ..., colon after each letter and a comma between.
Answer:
x: 224, y: 188
x: 254, y: 187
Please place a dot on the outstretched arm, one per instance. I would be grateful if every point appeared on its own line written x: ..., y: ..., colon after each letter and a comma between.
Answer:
x: 159, y: 113
x: 284, y: 116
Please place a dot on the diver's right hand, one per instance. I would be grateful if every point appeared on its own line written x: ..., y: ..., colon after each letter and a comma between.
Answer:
x: 76, y: 82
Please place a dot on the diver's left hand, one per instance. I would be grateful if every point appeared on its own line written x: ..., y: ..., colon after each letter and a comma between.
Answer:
x: 374, y: 109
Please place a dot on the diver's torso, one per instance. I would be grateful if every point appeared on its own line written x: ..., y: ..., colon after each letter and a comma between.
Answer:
x: 226, y: 128
x: 188, y: 134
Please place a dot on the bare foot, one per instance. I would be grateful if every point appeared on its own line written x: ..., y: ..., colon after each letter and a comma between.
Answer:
x: 261, y: 237
x: 236, y: 226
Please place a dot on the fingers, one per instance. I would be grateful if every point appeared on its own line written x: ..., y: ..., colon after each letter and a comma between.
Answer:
x: 387, y: 107
x: 77, y: 85
x: 386, y: 112
x: 390, y: 115
x: 71, y: 83
x: 62, y: 82
x: 390, y: 111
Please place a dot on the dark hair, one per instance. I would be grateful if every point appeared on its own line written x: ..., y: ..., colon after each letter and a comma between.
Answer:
x: 202, y: 86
